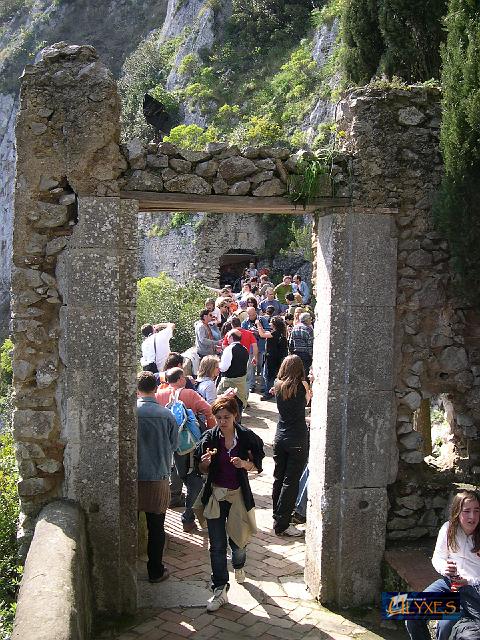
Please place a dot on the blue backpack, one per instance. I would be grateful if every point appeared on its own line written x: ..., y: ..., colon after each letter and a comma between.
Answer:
x: 188, y: 430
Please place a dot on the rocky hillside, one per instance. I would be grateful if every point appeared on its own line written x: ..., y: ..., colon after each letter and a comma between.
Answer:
x: 243, y: 72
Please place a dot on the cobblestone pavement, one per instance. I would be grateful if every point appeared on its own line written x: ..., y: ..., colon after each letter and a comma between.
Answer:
x: 272, y: 603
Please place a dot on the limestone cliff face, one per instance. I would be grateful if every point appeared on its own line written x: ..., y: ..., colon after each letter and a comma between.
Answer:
x: 113, y: 27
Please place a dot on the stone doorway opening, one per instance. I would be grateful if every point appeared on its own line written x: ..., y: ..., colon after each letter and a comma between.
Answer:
x: 232, y: 265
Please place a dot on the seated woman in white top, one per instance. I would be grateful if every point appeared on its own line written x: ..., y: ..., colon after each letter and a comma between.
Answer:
x: 456, y: 558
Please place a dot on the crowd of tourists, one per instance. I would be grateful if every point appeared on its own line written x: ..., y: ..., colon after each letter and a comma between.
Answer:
x: 189, y: 410
x: 190, y: 434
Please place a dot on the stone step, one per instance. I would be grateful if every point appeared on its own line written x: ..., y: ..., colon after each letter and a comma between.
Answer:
x: 408, y: 569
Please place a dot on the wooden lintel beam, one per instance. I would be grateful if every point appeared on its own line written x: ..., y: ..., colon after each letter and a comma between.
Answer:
x: 151, y: 201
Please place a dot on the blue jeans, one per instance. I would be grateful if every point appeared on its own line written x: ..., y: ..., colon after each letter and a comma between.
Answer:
x: 251, y: 369
x: 192, y: 482
x: 418, y: 629
x: 218, y: 548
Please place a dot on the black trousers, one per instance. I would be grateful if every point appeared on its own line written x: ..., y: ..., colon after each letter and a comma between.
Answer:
x: 290, y: 460
x: 155, y: 545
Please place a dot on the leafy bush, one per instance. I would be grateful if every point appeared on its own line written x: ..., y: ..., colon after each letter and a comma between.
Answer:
x: 190, y: 136
x: 257, y: 130
x: 9, y: 504
x: 161, y: 300
x: 458, y: 208
x: 301, y: 241
x: 180, y: 219
x: 144, y: 70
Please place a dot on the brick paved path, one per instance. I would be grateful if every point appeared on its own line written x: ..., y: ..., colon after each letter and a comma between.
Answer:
x: 272, y: 603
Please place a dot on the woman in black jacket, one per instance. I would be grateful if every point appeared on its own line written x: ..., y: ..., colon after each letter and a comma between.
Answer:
x: 290, y: 446
x: 226, y: 454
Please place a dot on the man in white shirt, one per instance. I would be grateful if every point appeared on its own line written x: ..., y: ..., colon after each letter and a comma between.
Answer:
x: 156, y: 345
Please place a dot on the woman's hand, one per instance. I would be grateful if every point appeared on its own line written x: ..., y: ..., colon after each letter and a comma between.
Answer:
x: 237, y: 462
x: 206, y: 459
x: 451, y: 569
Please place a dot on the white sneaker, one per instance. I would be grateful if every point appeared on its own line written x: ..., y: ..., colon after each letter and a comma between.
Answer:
x: 218, y: 599
x: 291, y: 532
x: 239, y: 575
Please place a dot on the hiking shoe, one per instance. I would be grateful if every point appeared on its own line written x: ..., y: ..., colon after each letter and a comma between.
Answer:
x: 298, y: 519
x: 190, y: 527
x: 164, y: 576
x: 239, y: 575
x: 291, y: 532
x: 218, y: 599
x: 267, y: 396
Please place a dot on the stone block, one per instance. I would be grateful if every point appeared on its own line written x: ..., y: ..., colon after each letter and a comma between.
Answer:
x: 361, y: 426
x: 50, y: 215
x: 357, y: 259
x: 207, y: 169
x: 351, y: 328
x: 55, y: 246
x: 188, y: 183
x: 93, y: 279
x: 106, y: 223
x: 144, y: 181
x: 181, y: 166
x: 55, y: 594
x: 36, y: 425
x: 270, y: 188
x: 91, y: 341
x: 35, y: 486
x: 341, y: 522
x: 239, y: 188
x: 194, y: 156
x: 157, y: 161
x: 236, y: 168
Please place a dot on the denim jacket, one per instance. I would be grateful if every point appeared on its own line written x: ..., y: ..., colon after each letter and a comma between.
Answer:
x: 157, y: 439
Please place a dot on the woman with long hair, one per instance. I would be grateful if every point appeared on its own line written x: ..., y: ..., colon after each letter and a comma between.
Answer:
x: 276, y: 349
x: 456, y: 558
x: 227, y: 453
x: 290, y: 446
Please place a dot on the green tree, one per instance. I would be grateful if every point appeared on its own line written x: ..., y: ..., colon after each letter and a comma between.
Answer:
x: 363, y: 45
x: 162, y: 300
x: 411, y: 32
x: 458, y: 208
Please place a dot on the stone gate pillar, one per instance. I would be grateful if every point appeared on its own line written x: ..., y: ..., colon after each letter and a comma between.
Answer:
x: 74, y: 283
x: 352, y: 429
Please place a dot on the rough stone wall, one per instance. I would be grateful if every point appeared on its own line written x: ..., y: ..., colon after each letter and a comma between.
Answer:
x: 219, y: 169
x: 193, y: 251
x: 396, y: 163
x: 8, y: 111
x: 73, y: 289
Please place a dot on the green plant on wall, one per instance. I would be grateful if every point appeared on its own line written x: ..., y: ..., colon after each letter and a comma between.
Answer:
x: 10, y: 572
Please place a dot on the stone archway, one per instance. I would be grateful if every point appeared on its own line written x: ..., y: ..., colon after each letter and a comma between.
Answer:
x: 75, y: 256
